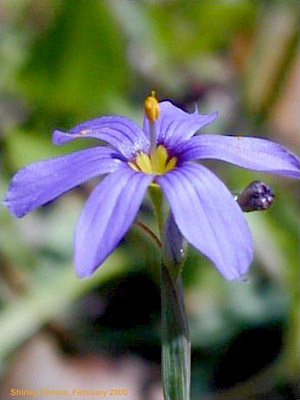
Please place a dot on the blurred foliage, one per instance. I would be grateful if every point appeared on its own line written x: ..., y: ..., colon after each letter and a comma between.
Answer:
x: 68, y: 61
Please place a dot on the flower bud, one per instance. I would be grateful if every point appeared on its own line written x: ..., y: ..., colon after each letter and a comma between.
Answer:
x: 256, y: 197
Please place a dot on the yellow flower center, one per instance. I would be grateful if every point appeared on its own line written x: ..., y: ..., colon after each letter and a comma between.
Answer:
x: 156, y: 163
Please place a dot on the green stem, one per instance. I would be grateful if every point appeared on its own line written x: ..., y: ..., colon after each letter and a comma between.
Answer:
x: 176, y: 347
x: 157, y: 201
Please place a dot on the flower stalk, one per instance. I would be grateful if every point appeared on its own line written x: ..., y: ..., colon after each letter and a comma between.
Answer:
x: 152, y: 112
x: 176, y: 346
x: 156, y: 197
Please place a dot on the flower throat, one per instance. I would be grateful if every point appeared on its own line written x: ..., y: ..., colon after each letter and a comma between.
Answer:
x: 157, y: 163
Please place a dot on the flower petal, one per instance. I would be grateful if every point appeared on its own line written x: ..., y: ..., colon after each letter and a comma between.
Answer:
x: 107, y: 216
x: 43, y: 181
x: 247, y: 152
x: 174, y: 125
x: 209, y: 218
x: 120, y: 132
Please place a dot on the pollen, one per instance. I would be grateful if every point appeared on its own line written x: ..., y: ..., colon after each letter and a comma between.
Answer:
x: 151, y: 107
x: 157, y: 162
x: 85, y: 131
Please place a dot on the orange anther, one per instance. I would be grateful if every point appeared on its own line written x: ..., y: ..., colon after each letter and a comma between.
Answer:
x: 151, y: 107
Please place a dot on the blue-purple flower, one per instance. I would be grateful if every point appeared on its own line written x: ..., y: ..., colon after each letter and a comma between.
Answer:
x: 165, y: 152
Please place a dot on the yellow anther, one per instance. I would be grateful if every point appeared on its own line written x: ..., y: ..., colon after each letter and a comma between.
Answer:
x: 151, y: 107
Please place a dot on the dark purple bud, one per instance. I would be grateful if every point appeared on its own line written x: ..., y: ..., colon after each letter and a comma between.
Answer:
x: 256, y: 197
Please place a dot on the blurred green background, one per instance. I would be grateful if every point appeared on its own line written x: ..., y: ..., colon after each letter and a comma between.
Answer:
x: 64, y: 62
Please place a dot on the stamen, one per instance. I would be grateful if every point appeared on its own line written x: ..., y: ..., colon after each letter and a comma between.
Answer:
x: 151, y: 107
x: 152, y: 113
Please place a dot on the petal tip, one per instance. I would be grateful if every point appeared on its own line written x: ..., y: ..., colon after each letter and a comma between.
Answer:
x: 59, y: 137
x: 13, y: 210
x: 82, y: 274
x: 81, y: 269
x: 86, y: 268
